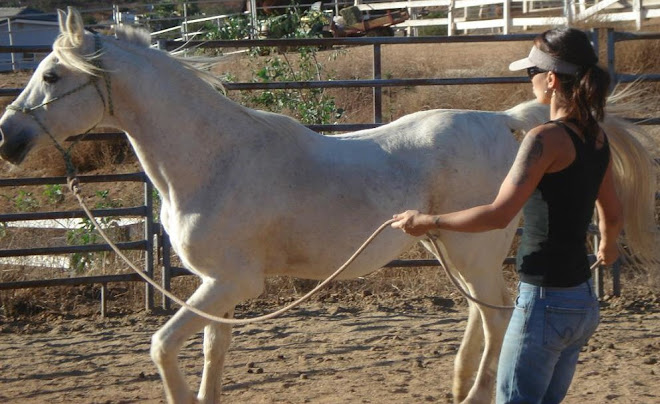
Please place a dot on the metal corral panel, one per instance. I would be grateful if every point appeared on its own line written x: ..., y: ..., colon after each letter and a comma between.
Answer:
x: 22, y: 32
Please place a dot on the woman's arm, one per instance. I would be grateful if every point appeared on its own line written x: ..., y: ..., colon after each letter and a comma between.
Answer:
x: 610, y: 218
x: 537, y: 152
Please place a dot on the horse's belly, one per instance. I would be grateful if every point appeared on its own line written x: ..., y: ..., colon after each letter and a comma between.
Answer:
x: 315, y: 260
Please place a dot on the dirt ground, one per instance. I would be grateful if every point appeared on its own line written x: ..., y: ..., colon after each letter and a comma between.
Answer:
x: 378, y: 350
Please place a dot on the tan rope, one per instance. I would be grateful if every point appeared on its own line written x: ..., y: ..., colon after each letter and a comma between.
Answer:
x: 452, y: 278
x: 465, y: 293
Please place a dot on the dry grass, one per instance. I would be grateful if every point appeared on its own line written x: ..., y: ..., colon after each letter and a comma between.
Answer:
x: 418, y: 61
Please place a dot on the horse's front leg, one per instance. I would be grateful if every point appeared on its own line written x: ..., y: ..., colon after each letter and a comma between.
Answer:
x: 217, y: 338
x: 213, y: 297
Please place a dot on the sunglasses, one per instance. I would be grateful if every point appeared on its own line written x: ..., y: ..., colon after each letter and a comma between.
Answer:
x: 533, y: 71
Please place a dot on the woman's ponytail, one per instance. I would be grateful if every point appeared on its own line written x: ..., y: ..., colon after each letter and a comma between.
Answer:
x: 589, y: 91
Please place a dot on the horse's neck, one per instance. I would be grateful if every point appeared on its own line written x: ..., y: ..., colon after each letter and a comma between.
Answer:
x: 175, y: 136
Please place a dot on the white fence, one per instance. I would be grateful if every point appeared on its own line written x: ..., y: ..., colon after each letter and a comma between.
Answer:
x: 503, y: 16
x: 483, y: 16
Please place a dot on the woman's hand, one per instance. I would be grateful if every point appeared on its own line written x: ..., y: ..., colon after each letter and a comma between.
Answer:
x: 414, y: 223
x: 608, y: 253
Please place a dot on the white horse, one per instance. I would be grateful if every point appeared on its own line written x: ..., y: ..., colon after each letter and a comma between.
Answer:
x: 247, y: 194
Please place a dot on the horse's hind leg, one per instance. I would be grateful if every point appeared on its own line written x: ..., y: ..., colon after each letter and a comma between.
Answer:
x: 494, y: 322
x: 217, y: 338
x: 466, y: 363
x: 479, y: 258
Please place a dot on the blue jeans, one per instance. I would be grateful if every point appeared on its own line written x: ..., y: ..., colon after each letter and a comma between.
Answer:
x: 548, y: 328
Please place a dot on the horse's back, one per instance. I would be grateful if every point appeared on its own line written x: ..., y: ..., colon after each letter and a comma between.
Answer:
x: 462, y: 151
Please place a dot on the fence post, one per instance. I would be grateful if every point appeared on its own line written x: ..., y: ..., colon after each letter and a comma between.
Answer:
x: 377, y: 91
x: 104, y: 291
x: 149, y: 237
x: 254, y: 32
x: 637, y: 11
x: 184, y: 26
x: 162, y: 44
x: 595, y: 40
x: 598, y: 281
x: 611, y: 45
x: 568, y: 12
x: 167, y: 267
x: 598, y: 272
x: 506, y: 16
x: 14, y: 66
x: 616, y: 278
x: 450, y: 18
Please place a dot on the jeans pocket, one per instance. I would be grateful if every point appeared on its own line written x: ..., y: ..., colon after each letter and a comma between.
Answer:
x: 563, y: 326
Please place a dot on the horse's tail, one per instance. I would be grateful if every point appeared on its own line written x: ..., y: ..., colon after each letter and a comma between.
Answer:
x: 635, y: 174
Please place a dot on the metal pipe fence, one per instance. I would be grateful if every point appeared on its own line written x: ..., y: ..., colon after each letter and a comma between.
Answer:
x: 146, y: 244
x: 376, y: 83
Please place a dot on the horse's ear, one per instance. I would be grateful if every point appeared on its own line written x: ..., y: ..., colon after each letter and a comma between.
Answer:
x: 61, y: 18
x: 75, y: 26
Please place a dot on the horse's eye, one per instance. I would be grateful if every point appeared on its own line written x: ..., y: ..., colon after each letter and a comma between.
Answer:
x: 50, y: 77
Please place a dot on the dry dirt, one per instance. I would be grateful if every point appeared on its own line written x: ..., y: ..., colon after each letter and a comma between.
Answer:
x: 375, y: 350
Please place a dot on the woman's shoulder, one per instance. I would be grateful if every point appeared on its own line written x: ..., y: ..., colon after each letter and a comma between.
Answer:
x: 550, y: 134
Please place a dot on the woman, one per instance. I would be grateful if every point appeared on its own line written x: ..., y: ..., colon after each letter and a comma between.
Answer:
x: 563, y: 168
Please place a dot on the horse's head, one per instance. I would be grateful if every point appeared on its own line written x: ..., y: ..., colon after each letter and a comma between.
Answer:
x: 65, y: 96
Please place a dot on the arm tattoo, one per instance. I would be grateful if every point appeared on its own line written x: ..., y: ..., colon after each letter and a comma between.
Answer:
x: 530, y: 153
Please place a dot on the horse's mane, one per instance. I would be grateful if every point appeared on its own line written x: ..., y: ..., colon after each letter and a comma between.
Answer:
x: 67, y: 48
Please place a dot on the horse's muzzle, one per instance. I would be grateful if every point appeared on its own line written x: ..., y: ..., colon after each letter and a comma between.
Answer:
x: 15, y: 146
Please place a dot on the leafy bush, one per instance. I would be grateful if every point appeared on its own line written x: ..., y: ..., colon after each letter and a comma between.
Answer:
x: 85, y: 234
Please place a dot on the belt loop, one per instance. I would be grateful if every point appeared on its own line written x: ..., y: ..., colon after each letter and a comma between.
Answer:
x: 542, y: 292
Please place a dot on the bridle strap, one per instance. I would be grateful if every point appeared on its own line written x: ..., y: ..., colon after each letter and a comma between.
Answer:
x: 106, y: 77
x: 107, y: 105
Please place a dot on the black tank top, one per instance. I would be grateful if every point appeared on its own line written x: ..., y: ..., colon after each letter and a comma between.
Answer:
x: 553, y: 250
